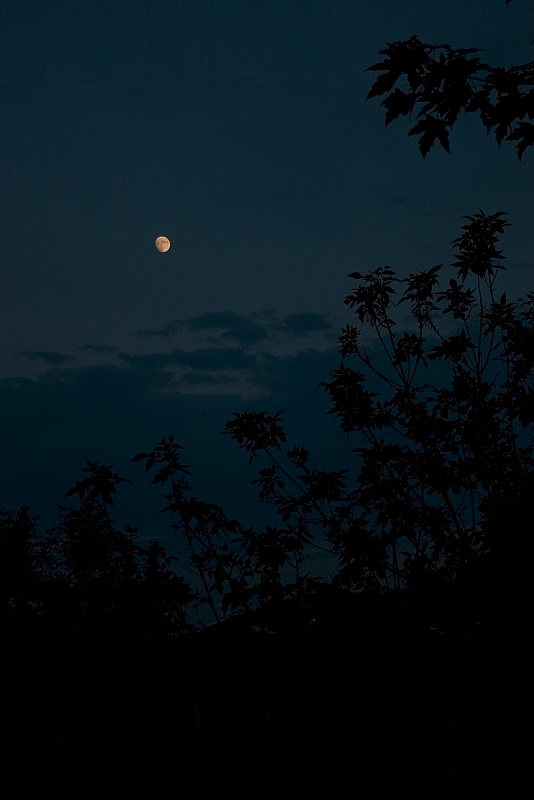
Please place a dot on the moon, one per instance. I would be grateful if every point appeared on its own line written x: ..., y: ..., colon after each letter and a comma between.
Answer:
x: 162, y: 244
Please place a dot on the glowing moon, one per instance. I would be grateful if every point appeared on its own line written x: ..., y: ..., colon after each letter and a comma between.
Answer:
x: 162, y: 244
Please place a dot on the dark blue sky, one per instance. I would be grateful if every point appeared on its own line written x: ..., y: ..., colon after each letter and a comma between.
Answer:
x: 241, y: 132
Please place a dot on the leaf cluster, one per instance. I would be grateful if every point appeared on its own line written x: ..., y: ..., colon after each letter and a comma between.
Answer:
x: 101, y: 483
x: 442, y: 82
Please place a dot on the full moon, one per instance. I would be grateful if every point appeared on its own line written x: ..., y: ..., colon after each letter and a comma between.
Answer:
x: 162, y: 244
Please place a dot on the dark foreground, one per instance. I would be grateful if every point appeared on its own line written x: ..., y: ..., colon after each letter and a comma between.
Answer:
x: 369, y: 692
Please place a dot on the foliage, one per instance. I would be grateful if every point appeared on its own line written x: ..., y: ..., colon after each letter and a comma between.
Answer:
x: 461, y: 445
x: 85, y: 576
x: 442, y: 82
x: 237, y: 569
x: 18, y: 545
x: 101, y: 483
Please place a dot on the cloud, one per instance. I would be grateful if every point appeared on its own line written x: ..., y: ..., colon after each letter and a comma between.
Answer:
x: 148, y: 362
x: 215, y: 358
x: 233, y: 326
x: 207, y: 359
x: 50, y: 356
x: 304, y: 323
x: 88, y: 379
x: 247, y: 330
x: 16, y: 383
x: 98, y: 348
x: 198, y: 378
x: 166, y: 332
x: 266, y: 313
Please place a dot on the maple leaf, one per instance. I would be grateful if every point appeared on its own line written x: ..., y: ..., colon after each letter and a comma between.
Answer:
x: 383, y: 83
x: 408, y: 58
x: 432, y: 129
x: 525, y: 132
x: 398, y: 103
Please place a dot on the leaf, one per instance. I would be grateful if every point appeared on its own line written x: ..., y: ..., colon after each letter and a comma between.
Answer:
x: 139, y: 457
x: 383, y: 84
x: 432, y: 129
x: 398, y: 104
x: 463, y: 51
x: 524, y: 131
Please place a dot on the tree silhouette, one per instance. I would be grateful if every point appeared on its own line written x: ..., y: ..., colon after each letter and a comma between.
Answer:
x: 444, y: 474
x: 84, y: 612
x: 462, y: 443
x: 442, y: 82
x: 236, y: 569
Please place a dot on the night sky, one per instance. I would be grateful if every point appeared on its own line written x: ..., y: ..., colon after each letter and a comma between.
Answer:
x: 240, y: 131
